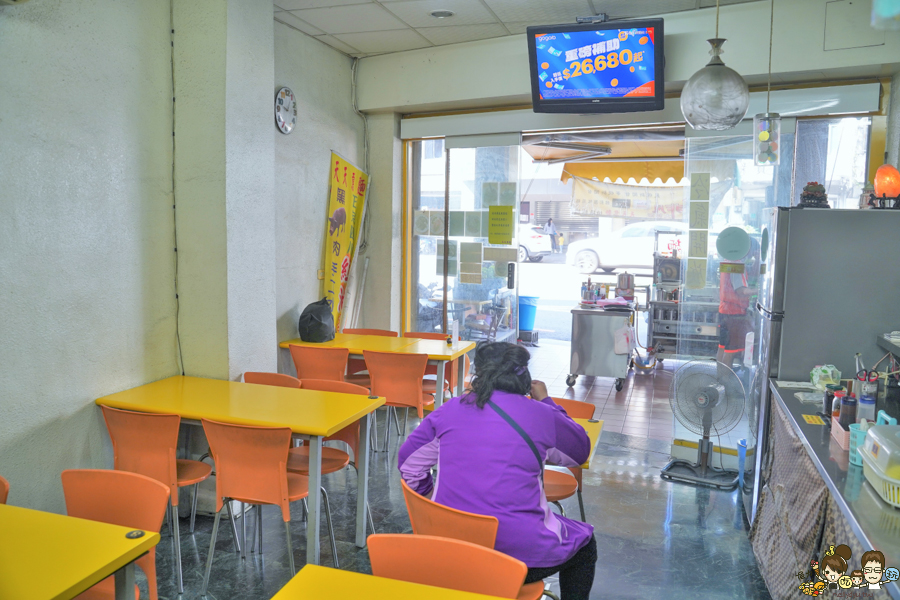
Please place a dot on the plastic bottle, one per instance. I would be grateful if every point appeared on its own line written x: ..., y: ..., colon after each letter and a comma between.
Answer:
x: 848, y: 411
x: 836, y: 405
x: 865, y: 409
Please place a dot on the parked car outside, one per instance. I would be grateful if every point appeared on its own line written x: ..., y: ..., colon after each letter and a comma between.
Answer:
x: 630, y: 247
x: 534, y: 244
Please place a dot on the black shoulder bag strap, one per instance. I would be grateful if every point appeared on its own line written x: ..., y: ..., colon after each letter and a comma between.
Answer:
x: 520, y: 431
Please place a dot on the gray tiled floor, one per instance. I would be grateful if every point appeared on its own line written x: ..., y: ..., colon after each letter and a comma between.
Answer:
x: 656, y: 539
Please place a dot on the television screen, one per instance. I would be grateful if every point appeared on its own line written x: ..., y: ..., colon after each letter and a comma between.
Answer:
x: 615, y: 66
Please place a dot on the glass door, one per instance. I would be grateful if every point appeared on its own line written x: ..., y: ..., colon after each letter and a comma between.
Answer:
x: 479, y: 288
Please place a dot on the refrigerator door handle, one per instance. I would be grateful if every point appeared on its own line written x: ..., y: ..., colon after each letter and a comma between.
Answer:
x: 768, y: 314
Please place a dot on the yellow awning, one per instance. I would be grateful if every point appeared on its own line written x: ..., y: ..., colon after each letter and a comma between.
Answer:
x: 663, y: 169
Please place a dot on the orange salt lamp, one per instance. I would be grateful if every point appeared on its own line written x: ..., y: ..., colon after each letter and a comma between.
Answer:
x: 887, y: 181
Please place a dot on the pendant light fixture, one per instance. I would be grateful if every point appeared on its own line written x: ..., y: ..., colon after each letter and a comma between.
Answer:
x: 715, y: 97
x: 767, y: 125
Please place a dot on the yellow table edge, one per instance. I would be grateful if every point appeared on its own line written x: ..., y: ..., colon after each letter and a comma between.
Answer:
x: 111, y: 400
x: 313, y: 578
x: 593, y: 430
x: 141, y: 546
x: 462, y: 348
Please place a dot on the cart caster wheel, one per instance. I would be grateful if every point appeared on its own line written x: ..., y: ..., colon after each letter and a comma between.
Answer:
x: 619, y: 383
x: 570, y: 380
x: 659, y: 360
x: 631, y: 363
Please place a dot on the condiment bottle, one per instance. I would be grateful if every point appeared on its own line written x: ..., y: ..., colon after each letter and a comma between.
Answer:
x: 828, y: 398
x: 836, y: 403
x: 865, y: 409
x: 848, y: 411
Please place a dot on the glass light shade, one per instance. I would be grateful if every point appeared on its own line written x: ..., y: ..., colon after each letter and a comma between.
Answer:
x: 767, y: 139
x: 886, y: 14
x: 715, y: 97
x: 887, y: 181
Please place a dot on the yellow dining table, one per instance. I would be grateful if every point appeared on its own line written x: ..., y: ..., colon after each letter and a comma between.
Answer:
x: 45, y: 556
x: 310, y: 414
x: 439, y: 353
x: 321, y: 582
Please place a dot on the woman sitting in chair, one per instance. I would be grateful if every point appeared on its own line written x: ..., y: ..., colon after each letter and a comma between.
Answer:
x: 491, y: 445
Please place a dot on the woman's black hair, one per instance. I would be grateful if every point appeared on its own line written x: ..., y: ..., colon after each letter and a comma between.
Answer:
x: 499, y: 366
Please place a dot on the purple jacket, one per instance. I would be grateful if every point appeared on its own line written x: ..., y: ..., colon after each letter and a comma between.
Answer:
x: 485, y: 467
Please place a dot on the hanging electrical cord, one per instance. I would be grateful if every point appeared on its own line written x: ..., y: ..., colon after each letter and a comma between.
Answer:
x: 364, y: 230
x: 174, y: 212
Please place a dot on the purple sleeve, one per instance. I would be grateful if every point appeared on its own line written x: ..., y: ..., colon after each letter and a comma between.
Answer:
x: 573, y: 446
x: 417, y: 455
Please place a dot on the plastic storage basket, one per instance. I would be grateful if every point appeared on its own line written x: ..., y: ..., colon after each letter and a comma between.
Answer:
x: 880, y: 454
x: 887, y: 488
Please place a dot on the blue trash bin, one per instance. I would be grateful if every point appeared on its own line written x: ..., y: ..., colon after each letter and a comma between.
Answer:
x: 527, y: 312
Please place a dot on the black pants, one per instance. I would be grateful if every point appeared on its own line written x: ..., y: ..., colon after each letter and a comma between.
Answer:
x: 576, y: 575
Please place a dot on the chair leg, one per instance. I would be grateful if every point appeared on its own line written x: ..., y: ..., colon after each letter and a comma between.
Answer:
x: 243, y: 530
x: 259, y: 526
x: 562, y: 511
x: 237, y: 543
x: 209, y: 558
x: 194, y: 505
x: 305, y: 507
x: 334, y: 555
x: 387, y: 428
x: 405, y: 418
x: 373, y: 433
x: 287, y: 530
x: 551, y: 595
x: 581, y: 506
x: 371, y: 520
x: 397, y: 422
x: 177, y: 541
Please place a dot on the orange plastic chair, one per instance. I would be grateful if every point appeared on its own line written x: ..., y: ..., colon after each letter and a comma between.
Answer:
x: 355, y: 365
x: 320, y: 363
x: 271, y: 379
x: 251, y: 467
x: 333, y: 459
x: 145, y: 443
x: 398, y: 378
x: 427, y: 517
x: 120, y: 498
x: 430, y: 385
x: 464, y: 566
x: 558, y: 485
x: 4, y: 490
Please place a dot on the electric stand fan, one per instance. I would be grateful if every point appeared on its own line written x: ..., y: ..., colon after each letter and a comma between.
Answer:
x: 705, y: 396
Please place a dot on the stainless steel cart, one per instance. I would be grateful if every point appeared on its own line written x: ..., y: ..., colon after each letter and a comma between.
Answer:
x: 593, y: 345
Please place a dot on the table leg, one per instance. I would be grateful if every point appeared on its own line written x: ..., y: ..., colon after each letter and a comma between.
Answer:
x: 124, y: 579
x: 439, y: 384
x: 362, y: 477
x: 461, y: 375
x: 314, y: 499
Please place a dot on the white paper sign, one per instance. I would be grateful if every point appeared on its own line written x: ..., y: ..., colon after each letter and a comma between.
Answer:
x: 455, y: 332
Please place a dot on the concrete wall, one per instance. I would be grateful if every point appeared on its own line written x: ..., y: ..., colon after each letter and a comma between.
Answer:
x: 320, y: 78
x: 495, y: 72
x: 86, y: 261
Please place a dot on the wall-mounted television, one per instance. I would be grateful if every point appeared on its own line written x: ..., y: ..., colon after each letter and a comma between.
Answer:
x: 611, y: 67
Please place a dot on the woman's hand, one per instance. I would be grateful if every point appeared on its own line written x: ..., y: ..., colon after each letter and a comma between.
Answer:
x: 538, y: 390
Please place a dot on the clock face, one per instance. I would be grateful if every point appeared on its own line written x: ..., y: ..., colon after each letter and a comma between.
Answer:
x: 285, y: 110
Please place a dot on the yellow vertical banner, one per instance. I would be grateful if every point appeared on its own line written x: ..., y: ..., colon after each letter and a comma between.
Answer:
x: 346, y: 202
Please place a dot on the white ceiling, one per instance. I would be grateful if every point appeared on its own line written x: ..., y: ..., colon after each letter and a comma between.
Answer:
x: 366, y: 27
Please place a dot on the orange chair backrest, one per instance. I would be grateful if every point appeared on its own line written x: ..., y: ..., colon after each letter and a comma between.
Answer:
x: 576, y: 409
x: 397, y: 377
x: 430, y: 518
x: 425, y: 335
x: 464, y: 566
x: 320, y: 363
x: 145, y: 443
x: 120, y: 498
x: 278, y: 379
x: 4, y: 490
x: 384, y: 332
x: 251, y: 463
x: 350, y: 433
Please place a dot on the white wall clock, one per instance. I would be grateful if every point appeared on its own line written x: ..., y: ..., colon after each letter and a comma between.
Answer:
x: 285, y: 110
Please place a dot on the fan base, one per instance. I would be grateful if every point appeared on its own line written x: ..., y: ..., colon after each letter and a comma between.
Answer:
x: 688, y: 472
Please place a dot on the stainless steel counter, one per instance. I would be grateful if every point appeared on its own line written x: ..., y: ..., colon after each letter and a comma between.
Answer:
x: 875, y: 523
